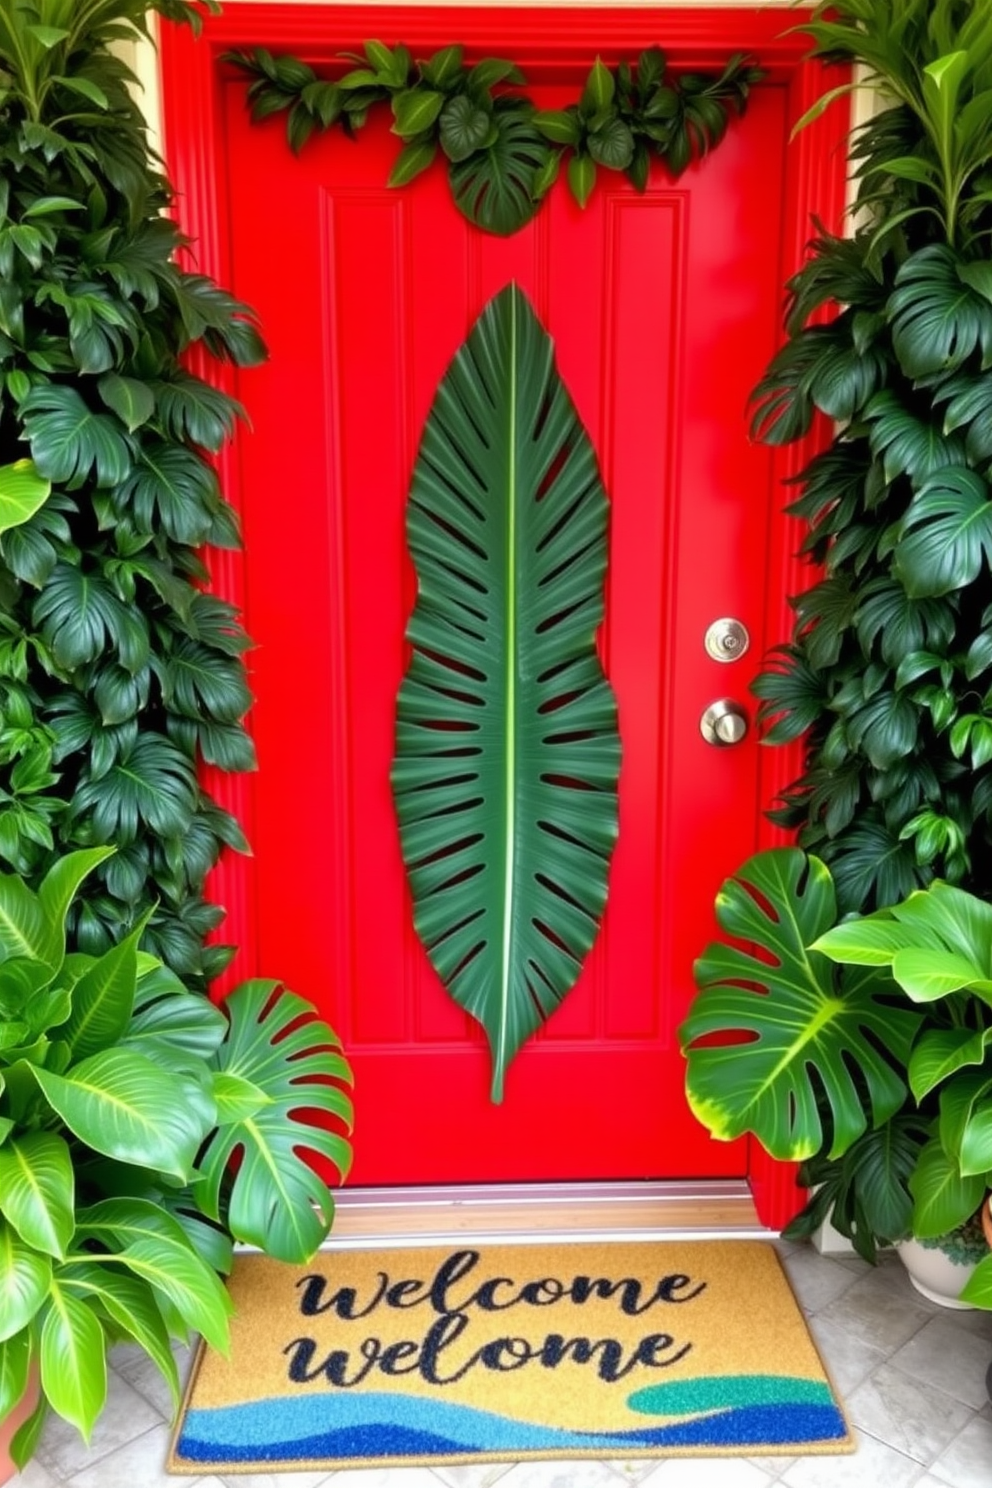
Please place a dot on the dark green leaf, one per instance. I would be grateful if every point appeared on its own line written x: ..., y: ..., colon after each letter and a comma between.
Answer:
x: 411, y: 161
x: 494, y: 189
x: 464, y: 128
x: 946, y: 534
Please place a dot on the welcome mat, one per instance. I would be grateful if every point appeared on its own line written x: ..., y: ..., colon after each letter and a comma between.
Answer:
x: 503, y: 1353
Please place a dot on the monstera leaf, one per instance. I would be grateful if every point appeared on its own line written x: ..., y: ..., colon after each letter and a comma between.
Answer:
x: 505, y: 776
x: 494, y: 186
x: 804, y: 1027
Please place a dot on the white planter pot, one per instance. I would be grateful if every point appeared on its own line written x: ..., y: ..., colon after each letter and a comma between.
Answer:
x: 935, y: 1274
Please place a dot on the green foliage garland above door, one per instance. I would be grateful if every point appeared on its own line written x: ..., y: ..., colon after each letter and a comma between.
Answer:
x: 508, y: 754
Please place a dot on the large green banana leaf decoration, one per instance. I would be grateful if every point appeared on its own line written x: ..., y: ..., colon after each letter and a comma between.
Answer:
x: 507, y: 751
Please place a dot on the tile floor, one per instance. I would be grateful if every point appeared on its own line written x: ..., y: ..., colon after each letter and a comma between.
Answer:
x: 912, y: 1376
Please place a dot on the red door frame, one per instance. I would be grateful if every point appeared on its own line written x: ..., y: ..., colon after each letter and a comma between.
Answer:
x: 541, y: 41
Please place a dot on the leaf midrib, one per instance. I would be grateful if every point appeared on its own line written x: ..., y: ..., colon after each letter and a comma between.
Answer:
x: 510, y: 704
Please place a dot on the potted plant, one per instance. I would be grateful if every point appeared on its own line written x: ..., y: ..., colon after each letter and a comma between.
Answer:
x: 857, y: 1047
x: 142, y: 1130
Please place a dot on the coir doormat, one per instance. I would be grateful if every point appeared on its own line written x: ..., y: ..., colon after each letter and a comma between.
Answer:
x: 502, y: 1353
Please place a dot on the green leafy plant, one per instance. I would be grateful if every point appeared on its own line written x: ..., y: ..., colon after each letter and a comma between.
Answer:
x: 507, y: 755
x: 889, y: 672
x: 502, y: 154
x: 119, y: 674
x: 123, y: 1099
x: 887, y: 678
x: 862, y: 1047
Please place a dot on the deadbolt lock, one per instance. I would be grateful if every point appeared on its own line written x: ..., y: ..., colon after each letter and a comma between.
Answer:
x: 724, y: 723
x: 726, y: 640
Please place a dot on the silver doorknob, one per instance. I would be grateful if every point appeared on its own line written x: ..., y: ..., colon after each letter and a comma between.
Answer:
x: 724, y: 723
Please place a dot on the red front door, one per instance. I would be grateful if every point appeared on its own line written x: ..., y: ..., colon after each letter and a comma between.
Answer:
x: 664, y: 309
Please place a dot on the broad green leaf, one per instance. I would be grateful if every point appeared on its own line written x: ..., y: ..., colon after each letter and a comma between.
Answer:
x: 507, y: 845
x: 57, y: 891
x: 73, y: 1359
x: 581, y: 177
x: 121, y: 1104
x: 237, y: 1099
x: 152, y: 784
x: 277, y: 1201
x: 25, y: 1276
x: 131, y: 400
x: 177, y: 1029
x: 946, y: 536
x: 25, y: 1439
x: 926, y: 975
x: 87, y: 89
x: 943, y: 1199
x: 411, y: 161
x: 612, y: 146
x: 937, y: 321
x: 868, y: 941
x: 494, y: 188
x: 22, y: 923
x: 81, y: 618
x: 130, y: 1302
x: 965, y: 1102
x: 415, y: 110
x: 464, y: 127
x: 22, y: 493
x: 103, y: 998
x: 148, y: 1241
x: 598, y: 92
x: 37, y: 1190
x: 444, y: 66
x: 15, y: 1359
x: 977, y: 1289
x: 49, y: 36
x: 561, y: 126
x: 941, y: 1052
x: 942, y: 81
x: 803, y: 1030
x: 69, y: 442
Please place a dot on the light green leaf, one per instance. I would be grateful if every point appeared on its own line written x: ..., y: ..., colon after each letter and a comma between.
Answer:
x: 237, y: 1099
x: 943, y: 1199
x: 926, y: 975
x: 22, y: 493
x: 15, y: 1359
x: 868, y: 941
x: 130, y: 1301
x: 801, y: 1021
x: 508, y: 866
x: 103, y: 998
x: 277, y: 1201
x: 49, y: 36
x: 941, y: 1052
x: 122, y: 1105
x: 22, y: 924
x: 977, y: 1289
x: 73, y: 1360
x: 25, y: 1276
x: 37, y: 1190
x: 57, y: 891
x: 148, y: 1241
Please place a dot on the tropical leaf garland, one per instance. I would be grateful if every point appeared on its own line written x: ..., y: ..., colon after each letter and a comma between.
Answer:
x: 508, y: 754
x: 503, y: 154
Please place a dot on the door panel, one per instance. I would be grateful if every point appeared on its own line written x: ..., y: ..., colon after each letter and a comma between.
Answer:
x: 663, y: 308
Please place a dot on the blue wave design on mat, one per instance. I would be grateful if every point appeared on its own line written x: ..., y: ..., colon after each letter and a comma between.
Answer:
x: 382, y: 1425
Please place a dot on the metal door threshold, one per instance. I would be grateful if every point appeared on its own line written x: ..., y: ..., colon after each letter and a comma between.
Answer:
x: 520, y: 1213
